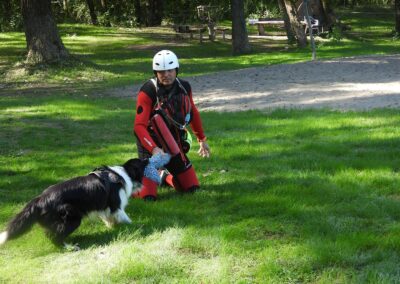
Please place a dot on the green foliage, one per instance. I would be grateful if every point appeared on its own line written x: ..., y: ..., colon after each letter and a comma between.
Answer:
x: 262, y: 9
x: 336, y: 34
x: 119, y: 13
x: 79, y: 11
x: 361, y: 3
x: 10, y: 16
x: 182, y: 12
x: 123, y: 13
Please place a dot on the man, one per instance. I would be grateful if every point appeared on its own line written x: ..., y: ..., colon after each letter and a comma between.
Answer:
x: 164, y: 109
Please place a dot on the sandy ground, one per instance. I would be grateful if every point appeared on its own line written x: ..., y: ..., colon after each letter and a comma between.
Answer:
x: 356, y: 83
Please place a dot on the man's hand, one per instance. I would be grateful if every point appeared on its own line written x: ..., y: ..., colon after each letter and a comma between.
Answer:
x: 204, y: 150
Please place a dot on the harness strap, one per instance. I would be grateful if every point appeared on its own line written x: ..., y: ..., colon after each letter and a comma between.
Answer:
x: 154, y: 81
x: 108, y: 176
x: 164, y: 114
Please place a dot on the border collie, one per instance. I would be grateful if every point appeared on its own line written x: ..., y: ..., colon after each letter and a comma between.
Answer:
x: 61, y: 207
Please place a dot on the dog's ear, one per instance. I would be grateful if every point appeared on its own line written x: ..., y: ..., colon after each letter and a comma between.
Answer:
x: 135, y: 168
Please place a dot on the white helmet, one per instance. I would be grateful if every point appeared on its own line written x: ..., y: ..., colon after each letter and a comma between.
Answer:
x: 165, y: 60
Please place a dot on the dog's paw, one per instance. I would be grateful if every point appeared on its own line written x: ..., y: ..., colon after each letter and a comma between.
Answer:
x: 71, y: 247
x: 109, y: 222
x: 122, y: 218
x: 126, y: 221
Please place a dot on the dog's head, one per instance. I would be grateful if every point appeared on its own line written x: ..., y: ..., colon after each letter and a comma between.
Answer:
x: 135, y: 168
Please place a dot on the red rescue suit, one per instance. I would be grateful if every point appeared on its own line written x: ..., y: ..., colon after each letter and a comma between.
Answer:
x: 162, y: 113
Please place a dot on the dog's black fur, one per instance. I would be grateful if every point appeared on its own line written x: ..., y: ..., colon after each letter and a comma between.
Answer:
x: 61, y: 207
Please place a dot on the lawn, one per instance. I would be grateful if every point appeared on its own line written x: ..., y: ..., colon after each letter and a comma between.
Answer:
x: 288, y: 196
x: 113, y: 57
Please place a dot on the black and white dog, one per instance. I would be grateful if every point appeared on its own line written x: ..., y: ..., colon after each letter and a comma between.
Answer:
x: 61, y: 207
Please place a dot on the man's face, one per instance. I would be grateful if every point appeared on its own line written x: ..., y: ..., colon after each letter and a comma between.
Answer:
x: 166, y: 77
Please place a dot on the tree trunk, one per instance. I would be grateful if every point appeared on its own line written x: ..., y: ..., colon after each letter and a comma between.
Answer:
x: 329, y: 15
x: 138, y: 12
x: 297, y: 27
x: 288, y: 27
x: 154, y: 12
x: 92, y: 12
x: 104, y: 9
x: 42, y: 39
x: 240, y: 40
x: 397, y: 11
x: 65, y: 5
x: 318, y: 12
x: 103, y: 5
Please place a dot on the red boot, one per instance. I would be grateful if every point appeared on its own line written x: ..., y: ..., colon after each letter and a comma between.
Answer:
x: 186, y: 181
x: 148, y: 192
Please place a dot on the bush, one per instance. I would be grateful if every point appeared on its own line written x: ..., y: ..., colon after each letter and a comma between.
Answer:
x: 10, y: 16
x: 336, y: 33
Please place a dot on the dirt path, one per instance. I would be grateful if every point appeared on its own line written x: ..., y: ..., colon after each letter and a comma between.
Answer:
x: 357, y: 83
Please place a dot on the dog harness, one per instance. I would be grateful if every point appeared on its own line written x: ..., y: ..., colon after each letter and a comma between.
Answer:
x: 110, y: 178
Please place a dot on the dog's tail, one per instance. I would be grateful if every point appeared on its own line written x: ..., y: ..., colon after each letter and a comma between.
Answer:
x: 21, y: 223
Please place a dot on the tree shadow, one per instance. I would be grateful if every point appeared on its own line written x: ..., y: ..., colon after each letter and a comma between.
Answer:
x: 298, y: 194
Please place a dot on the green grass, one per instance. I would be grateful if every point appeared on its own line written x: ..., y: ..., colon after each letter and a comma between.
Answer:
x: 114, y: 57
x: 288, y: 197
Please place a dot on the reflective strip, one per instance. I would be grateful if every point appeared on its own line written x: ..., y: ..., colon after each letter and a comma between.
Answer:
x: 148, y: 142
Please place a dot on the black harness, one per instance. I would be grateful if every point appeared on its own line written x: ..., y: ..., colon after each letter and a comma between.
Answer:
x: 109, y: 177
x: 175, y: 108
x: 173, y: 105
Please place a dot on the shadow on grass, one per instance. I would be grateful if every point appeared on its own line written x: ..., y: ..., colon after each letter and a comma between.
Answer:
x: 311, y: 211
x: 322, y: 188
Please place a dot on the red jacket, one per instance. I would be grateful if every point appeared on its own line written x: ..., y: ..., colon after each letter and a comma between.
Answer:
x: 147, y: 103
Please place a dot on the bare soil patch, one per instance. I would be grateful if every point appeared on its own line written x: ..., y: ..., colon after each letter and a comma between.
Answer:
x: 357, y: 83
x: 354, y: 83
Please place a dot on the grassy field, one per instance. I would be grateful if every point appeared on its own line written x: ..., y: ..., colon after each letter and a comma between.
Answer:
x: 287, y: 196
x: 114, y: 57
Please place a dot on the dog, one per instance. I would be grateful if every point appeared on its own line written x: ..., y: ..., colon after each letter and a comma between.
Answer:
x: 61, y: 207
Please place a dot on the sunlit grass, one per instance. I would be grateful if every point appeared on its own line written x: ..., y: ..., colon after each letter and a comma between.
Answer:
x: 112, y: 57
x: 288, y: 196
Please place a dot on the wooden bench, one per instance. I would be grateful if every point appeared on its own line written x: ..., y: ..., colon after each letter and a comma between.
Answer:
x: 191, y: 30
x: 261, y: 23
x: 222, y: 30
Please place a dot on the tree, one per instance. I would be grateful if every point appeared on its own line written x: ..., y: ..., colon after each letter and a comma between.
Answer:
x: 154, y: 12
x: 329, y: 16
x: 288, y: 27
x: 397, y: 11
x: 240, y: 40
x: 294, y: 20
x: 65, y: 6
x: 138, y: 12
x: 103, y: 5
x: 92, y: 12
x: 315, y: 9
x: 148, y: 12
x: 42, y: 39
x: 10, y: 16
x: 6, y: 10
